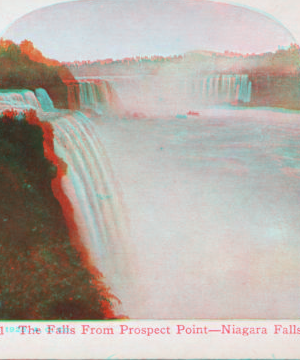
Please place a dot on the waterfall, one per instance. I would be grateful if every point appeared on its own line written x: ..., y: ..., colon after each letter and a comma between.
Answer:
x: 31, y: 99
x: 18, y: 100
x: 158, y: 95
x: 94, y: 194
x: 173, y: 93
x: 225, y: 88
x: 44, y: 100
x: 26, y: 99
x: 73, y: 96
x: 89, y: 183
x: 97, y: 95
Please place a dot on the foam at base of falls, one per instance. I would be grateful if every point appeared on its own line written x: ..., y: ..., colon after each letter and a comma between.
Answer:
x: 200, y: 197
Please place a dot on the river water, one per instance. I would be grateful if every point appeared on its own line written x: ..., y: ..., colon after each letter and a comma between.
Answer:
x: 212, y: 203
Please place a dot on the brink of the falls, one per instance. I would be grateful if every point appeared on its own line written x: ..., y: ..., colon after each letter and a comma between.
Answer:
x: 200, y: 196
x: 182, y: 215
x: 18, y: 99
x: 169, y: 94
x: 89, y: 182
x: 95, y: 195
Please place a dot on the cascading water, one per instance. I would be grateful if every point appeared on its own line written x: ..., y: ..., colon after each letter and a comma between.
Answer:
x: 170, y: 172
x: 97, y: 95
x: 44, y: 100
x: 25, y: 99
x: 31, y: 99
x: 225, y: 88
x: 168, y: 94
x: 94, y: 194
x: 164, y: 94
x: 215, y: 89
x: 18, y: 100
x: 89, y: 183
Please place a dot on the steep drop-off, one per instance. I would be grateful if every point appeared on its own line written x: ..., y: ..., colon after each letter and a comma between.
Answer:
x: 45, y: 273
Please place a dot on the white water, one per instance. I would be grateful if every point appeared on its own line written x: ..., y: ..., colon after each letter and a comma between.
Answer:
x: 94, y: 194
x: 31, y: 99
x: 18, y: 100
x: 169, y: 94
x: 223, y: 88
x: 213, y: 204
x: 96, y: 95
x: 89, y: 183
x: 44, y: 99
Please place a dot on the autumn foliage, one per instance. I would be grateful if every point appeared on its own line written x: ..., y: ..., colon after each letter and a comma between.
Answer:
x: 24, y: 67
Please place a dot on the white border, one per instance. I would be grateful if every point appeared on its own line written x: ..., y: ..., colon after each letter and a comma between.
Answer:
x: 206, y: 345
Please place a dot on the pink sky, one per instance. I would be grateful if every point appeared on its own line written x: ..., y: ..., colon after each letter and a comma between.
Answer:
x: 96, y: 29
